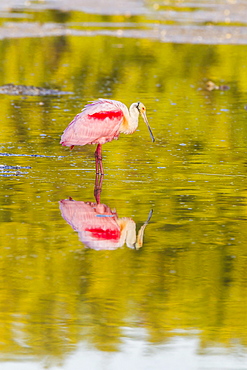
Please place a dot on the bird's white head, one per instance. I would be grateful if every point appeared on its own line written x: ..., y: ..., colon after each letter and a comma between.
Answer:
x: 140, y: 108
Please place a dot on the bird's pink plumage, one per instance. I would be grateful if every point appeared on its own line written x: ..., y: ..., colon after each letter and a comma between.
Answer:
x: 101, y: 116
x: 98, y: 123
x: 96, y: 223
x: 102, y: 234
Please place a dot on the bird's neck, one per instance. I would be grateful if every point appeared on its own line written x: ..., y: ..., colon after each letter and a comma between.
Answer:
x: 130, y: 123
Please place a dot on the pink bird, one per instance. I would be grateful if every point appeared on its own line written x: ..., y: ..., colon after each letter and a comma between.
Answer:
x: 99, y: 227
x: 102, y: 121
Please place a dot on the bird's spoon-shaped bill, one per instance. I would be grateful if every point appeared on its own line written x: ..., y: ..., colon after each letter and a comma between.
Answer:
x: 143, y: 113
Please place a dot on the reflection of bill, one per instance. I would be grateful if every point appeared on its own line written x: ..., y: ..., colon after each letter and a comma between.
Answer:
x: 99, y: 227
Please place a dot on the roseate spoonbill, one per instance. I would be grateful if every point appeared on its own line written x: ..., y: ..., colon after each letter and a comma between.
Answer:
x: 99, y: 227
x: 102, y: 121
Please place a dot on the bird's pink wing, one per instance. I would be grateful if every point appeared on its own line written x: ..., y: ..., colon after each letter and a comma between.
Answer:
x: 98, y: 123
x: 95, y: 223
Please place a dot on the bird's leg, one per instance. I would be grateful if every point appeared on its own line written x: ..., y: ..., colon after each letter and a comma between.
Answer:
x: 101, y: 167
x: 96, y: 154
x: 98, y: 160
x: 98, y: 187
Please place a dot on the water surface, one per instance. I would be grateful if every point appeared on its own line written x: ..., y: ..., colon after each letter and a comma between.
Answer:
x: 182, y: 295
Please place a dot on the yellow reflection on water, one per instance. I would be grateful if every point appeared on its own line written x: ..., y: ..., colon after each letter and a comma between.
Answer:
x: 191, y: 271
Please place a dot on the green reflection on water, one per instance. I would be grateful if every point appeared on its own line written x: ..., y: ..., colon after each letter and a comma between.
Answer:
x: 190, y: 272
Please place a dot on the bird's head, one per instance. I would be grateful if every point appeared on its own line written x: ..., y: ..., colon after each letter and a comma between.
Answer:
x: 142, y: 110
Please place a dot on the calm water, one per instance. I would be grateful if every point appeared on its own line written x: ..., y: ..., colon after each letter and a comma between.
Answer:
x: 179, y: 302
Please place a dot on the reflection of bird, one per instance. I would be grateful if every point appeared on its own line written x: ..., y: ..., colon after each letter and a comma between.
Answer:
x: 99, y: 227
x: 103, y: 121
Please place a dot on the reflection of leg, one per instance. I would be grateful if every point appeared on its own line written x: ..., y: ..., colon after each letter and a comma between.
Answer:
x: 98, y: 160
x: 98, y: 187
